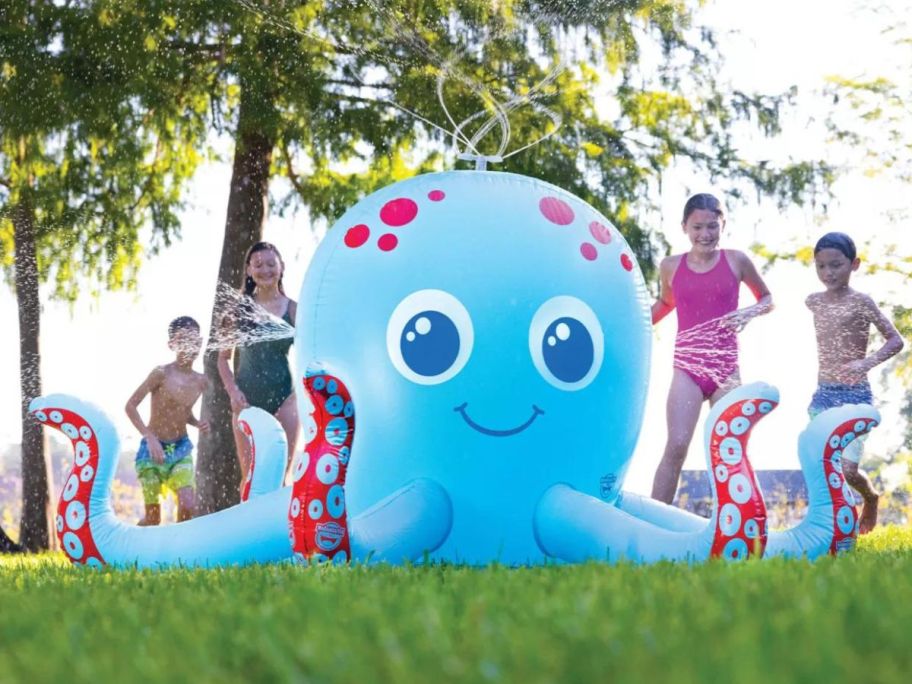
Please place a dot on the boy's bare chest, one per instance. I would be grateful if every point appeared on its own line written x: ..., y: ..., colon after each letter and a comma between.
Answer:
x: 180, y: 389
x: 841, y: 324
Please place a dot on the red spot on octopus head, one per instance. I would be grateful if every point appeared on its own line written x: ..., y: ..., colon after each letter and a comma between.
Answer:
x: 398, y: 212
x: 387, y: 242
x: 587, y: 249
x: 436, y: 195
x: 556, y: 210
x: 626, y: 262
x: 356, y: 235
x: 600, y: 232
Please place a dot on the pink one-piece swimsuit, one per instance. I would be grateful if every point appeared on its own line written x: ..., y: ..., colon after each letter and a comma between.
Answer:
x: 709, y: 352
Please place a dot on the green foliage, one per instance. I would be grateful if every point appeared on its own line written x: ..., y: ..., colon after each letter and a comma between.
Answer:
x: 333, y: 84
x: 114, y: 99
x: 873, y: 117
x: 97, y: 142
x: 761, y: 621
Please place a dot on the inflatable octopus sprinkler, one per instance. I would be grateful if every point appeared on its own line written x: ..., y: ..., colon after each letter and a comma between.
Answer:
x: 493, y: 332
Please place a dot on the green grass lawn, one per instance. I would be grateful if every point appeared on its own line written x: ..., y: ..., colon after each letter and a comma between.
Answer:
x: 839, y: 619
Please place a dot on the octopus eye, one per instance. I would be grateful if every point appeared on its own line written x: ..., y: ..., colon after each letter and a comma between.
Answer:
x: 566, y: 343
x: 429, y: 337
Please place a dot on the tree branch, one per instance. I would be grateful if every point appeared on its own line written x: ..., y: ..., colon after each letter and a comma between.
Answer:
x: 356, y: 84
x: 357, y: 98
x: 217, y: 49
x: 148, y: 184
x: 292, y: 176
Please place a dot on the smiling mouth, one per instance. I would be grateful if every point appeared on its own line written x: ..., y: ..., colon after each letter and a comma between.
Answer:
x: 461, y: 410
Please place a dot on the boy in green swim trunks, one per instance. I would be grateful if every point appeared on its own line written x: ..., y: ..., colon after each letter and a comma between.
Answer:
x: 164, y: 456
x: 843, y: 319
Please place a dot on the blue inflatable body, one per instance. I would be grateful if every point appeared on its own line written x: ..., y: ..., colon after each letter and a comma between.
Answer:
x: 493, y: 332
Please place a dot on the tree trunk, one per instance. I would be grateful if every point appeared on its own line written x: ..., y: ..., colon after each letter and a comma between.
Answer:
x: 218, y: 474
x: 36, y: 475
x: 7, y: 545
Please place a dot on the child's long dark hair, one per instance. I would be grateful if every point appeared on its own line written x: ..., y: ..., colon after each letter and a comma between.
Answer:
x: 249, y: 284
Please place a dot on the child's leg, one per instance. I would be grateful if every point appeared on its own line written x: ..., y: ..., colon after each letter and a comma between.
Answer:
x: 181, y: 480
x: 685, y: 398
x: 151, y: 482
x: 243, y: 448
x: 860, y: 482
x: 287, y: 415
x: 153, y: 515
x: 186, y: 504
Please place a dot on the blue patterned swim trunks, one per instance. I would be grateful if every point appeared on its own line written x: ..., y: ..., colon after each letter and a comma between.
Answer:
x: 832, y: 394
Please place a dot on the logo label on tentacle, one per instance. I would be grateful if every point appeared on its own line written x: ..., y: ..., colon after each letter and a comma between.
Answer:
x: 329, y: 535
x: 317, y: 516
x: 845, y: 515
x: 741, y: 530
x: 73, y: 514
x: 606, y: 485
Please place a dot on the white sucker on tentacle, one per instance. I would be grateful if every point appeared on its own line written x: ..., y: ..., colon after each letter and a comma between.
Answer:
x: 831, y: 523
x: 574, y: 527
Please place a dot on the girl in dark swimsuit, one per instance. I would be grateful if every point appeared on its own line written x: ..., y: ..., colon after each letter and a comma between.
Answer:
x: 262, y: 376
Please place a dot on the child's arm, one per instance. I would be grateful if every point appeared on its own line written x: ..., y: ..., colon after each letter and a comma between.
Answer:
x: 150, y: 384
x: 893, y: 340
x: 664, y: 305
x: 238, y: 400
x: 750, y: 277
x: 201, y: 425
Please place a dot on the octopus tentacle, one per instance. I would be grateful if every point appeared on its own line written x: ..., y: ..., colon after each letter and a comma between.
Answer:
x: 254, y: 532
x: 317, y: 516
x: 84, y: 494
x: 657, y: 513
x: 831, y: 523
x: 414, y: 520
x: 574, y: 526
x: 739, y: 515
x: 267, y: 468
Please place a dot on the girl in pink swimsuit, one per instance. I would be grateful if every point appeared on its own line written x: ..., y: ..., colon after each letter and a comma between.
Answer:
x: 703, y: 286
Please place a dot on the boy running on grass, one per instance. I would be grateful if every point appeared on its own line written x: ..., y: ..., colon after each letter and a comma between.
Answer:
x: 164, y: 456
x: 842, y: 320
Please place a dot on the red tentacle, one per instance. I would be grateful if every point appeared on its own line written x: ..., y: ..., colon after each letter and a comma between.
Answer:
x: 319, y: 526
x: 248, y: 435
x: 741, y: 525
x: 73, y: 508
x: 845, y: 515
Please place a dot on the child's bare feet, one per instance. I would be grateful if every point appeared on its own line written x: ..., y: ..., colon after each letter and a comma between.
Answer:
x: 868, y: 518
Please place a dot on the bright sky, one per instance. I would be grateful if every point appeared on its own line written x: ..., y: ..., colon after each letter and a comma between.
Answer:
x: 103, y: 349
